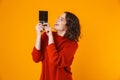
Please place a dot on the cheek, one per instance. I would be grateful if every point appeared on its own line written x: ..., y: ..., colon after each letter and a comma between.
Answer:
x: 63, y: 25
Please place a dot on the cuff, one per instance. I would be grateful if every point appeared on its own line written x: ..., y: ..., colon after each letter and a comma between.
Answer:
x: 35, y: 50
x: 50, y: 45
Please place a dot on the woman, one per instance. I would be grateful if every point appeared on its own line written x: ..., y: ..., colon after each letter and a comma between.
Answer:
x: 56, y: 49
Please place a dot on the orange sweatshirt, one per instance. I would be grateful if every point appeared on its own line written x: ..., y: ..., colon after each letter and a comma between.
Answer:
x: 56, y: 58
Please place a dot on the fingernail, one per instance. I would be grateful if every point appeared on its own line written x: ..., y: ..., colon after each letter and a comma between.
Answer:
x: 47, y: 31
x: 40, y: 30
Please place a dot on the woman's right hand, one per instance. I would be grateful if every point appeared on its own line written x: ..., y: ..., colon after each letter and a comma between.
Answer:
x: 39, y: 28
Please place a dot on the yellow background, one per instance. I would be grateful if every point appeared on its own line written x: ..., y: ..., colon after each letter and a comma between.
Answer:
x: 98, y: 56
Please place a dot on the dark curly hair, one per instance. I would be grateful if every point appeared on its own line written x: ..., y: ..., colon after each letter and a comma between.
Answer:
x: 73, y: 27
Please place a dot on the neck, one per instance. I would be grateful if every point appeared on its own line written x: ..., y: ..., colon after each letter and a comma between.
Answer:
x: 61, y: 33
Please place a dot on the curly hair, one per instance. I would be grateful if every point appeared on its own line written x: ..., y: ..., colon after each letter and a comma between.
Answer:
x: 73, y: 27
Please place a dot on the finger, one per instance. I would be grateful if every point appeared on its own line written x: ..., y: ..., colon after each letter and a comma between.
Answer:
x: 44, y: 24
x: 41, y: 30
x: 47, y: 24
x: 46, y: 29
x: 39, y: 24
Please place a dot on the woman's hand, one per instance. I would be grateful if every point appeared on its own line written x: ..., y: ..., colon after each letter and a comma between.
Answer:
x: 49, y: 33
x: 47, y: 29
x: 39, y: 28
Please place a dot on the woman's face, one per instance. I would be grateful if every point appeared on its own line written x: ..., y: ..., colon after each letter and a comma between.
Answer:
x: 60, y: 24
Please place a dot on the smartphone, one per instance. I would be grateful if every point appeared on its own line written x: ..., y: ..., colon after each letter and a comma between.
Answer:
x: 43, y: 16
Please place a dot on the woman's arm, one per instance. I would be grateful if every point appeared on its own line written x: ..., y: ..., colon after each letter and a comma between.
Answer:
x: 38, y: 42
x: 36, y: 53
x: 64, y: 57
x: 49, y: 34
x: 39, y: 29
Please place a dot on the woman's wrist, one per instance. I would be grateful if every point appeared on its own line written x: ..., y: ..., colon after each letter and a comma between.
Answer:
x: 39, y: 34
x: 38, y: 42
x: 50, y: 41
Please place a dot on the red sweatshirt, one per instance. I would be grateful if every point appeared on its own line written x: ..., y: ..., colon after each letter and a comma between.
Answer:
x: 56, y: 58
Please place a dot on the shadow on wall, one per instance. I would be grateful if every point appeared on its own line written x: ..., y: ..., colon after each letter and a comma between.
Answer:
x: 0, y: 78
x: 0, y: 3
x: 119, y: 2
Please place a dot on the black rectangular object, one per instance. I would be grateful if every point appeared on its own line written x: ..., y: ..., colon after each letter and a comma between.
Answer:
x: 43, y: 16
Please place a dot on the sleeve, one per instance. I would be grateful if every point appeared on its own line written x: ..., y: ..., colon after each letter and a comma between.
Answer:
x: 64, y: 57
x: 37, y: 55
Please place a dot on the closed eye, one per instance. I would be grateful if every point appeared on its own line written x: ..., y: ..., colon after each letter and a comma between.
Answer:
x: 62, y: 19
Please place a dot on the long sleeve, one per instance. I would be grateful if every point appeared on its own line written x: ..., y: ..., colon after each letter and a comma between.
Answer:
x: 63, y: 57
x: 37, y: 55
x: 56, y: 57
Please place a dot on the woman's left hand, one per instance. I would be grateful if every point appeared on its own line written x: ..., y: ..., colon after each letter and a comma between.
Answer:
x: 49, y: 33
x: 47, y: 29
